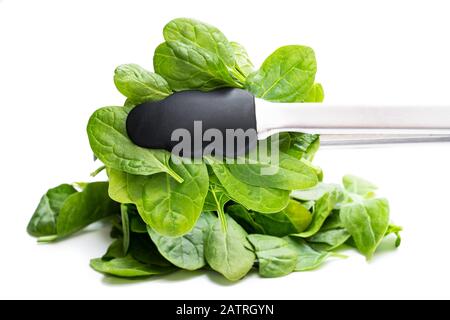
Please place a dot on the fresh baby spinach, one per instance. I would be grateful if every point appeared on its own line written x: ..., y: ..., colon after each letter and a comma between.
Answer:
x: 330, y: 239
x: 322, y: 209
x: 83, y: 208
x: 292, y: 219
x: 315, y: 94
x: 44, y: 220
x: 272, y: 213
x: 285, y: 172
x: 261, y: 199
x: 128, y: 267
x: 367, y: 222
x: 308, y: 258
x: 140, y: 85
x: 169, y: 207
x: 243, y: 63
x: 229, y: 252
x: 186, y: 67
x: 287, y: 75
x: 276, y: 257
x: 187, y: 251
x: 109, y: 141
x: 357, y: 185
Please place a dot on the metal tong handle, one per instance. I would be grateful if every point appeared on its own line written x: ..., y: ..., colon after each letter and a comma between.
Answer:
x: 348, y: 125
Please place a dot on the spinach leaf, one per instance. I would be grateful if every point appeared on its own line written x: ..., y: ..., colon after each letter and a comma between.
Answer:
x: 229, y: 252
x: 367, y: 222
x: 170, y: 208
x: 243, y: 63
x: 276, y: 257
x: 144, y: 250
x: 322, y: 209
x: 245, y: 218
x: 294, y: 218
x: 191, y: 68
x: 330, y: 239
x: 394, y: 229
x: 294, y: 214
x: 315, y: 94
x: 287, y: 75
x: 115, y: 250
x: 186, y: 252
x: 128, y: 267
x: 362, y: 187
x: 216, y: 198
x: 201, y: 35
x: 109, y: 141
x: 137, y: 225
x: 332, y: 222
x: 125, y: 227
x: 118, y: 185
x: 288, y: 173
x: 43, y: 222
x: 316, y: 192
x: 308, y: 258
x: 302, y: 145
x: 83, y: 208
x: 261, y: 199
x: 140, y: 85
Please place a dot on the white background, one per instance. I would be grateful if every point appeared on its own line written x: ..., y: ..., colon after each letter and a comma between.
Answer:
x: 56, y: 65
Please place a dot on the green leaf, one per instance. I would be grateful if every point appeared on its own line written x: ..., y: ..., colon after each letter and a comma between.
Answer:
x: 186, y: 252
x: 315, y: 94
x: 276, y: 257
x: 261, y: 199
x: 367, y: 222
x: 128, y: 267
x: 283, y: 172
x: 308, y: 258
x: 43, y: 222
x: 287, y: 75
x: 118, y: 185
x: 216, y: 198
x: 332, y: 222
x: 394, y: 229
x: 83, y: 208
x: 293, y: 219
x: 137, y: 225
x: 322, y: 209
x: 109, y: 141
x: 359, y: 186
x: 302, y: 145
x: 115, y: 250
x: 140, y: 85
x: 170, y: 208
x: 125, y: 227
x: 316, y: 192
x: 330, y: 239
x: 245, y: 218
x: 200, y: 35
x: 295, y: 215
x: 228, y: 252
x: 144, y: 250
x: 191, y: 68
x: 243, y: 62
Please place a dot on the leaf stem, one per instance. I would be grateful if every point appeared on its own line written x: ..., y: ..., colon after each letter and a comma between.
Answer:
x: 174, y: 175
x: 98, y: 170
x: 46, y: 239
x: 238, y: 76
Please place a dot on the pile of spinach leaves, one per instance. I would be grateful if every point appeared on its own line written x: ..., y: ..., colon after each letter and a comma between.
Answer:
x: 168, y: 215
